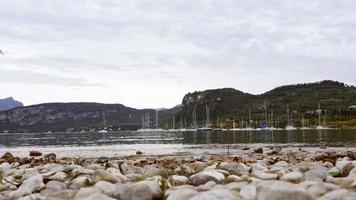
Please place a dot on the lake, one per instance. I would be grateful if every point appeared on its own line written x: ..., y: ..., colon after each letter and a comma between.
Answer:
x: 127, y: 142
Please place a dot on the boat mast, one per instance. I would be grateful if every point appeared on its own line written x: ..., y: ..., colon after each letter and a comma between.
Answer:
x: 104, y: 120
x: 249, y: 117
x: 319, y: 113
x: 156, y: 118
x: 265, y: 112
x: 207, y: 115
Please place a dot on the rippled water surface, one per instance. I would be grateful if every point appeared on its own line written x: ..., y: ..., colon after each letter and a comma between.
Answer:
x: 303, y: 138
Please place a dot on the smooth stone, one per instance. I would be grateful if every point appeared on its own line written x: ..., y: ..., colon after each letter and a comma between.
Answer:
x: 280, y: 164
x: 248, y: 192
x: 281, y: 190
x: 35, y: 153
x: 178, y: 180
x: 126, y: 169
x: 29, y: 186
x: 265, y: 176
x: 345, y: 166
x: 235, y: 168
x: 54, y: 167
x: 317, y: 190
x: 352, y: 174
x: 318, y: 174
x: 236, y: 186
x: 89, y: 193
x: 56, y: 185
x: 8, y: 157
x: 97, y: 196
x: 216, y: 194
x: 342, y: 194
x: 205, y: 176
x: 233, y: 178
x: 334, y: 172
x: 60, y: 176
x: 130, y: 191
x: 79, y: 182
x: 154, y: 184
x: 5, y: 166
x: 95, y: 166
x: 294, y: 177
x: 207, y: 186
x: 180, y: 194
x: 258, y: 167
x: 328, y: 165
x: 117, y: 173
x: 102, y: 175
x: 106, y: 187
x: 35, y: 196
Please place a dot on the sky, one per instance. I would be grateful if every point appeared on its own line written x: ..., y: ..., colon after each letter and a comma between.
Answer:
x: 150, y: 53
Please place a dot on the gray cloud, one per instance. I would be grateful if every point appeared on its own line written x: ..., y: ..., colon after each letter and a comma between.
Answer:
x: 179, y: 45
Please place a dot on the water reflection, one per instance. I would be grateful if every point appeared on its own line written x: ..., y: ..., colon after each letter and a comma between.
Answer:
x: 301, y: 137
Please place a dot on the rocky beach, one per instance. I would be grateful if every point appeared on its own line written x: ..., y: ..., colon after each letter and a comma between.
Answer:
x: 254, y: 173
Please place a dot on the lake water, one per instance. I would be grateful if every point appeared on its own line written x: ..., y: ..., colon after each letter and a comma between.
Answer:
x: 127, y: 142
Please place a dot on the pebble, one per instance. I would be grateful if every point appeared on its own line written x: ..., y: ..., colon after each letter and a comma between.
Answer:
x: 294, y: 177
x: 205, y: 176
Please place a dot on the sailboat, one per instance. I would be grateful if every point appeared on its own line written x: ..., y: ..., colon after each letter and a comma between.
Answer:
x: 207, y: 122
x: 320, y: 127
x: 303, y: 124
x: 104, y: 130
x: 289, y: 126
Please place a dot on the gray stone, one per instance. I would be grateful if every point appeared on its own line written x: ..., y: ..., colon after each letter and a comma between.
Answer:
x: 281, y: 190
x: 178, y: 180
x: 248, y: 192
x: 318, y: 174
x: 235, y: 168
x: 106, y: 187
x: 294, y: 177
x: 345, y: 166
x: 56, y: 185
x: 265, y: 176
x: 205, y: 176
x: 149, y: 171
x: 180, y: 194
x: 233, y: 178
x: 334, y: 172
x: 216, y: 194
x: 130, y: 191
x: 30, y: 185
x: 342, y: 194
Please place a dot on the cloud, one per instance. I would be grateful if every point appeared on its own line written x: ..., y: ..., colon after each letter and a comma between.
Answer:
x: 178, y: 46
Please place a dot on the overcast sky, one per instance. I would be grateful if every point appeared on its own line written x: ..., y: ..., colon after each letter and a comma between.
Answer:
x: 149, y: 53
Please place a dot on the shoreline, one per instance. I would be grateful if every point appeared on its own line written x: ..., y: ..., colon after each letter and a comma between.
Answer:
x: 248, y: 173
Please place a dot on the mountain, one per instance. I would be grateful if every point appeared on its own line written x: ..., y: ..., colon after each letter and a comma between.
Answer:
x: 71, y: 117
x: 9, y: 103
x: 335, y: 99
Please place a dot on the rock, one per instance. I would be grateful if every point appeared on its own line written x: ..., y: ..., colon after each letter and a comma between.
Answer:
x: 317, y: 190
x: 106, y: 187
x: 30, y: 185
x: 85, y: 193
x: 79, y: 182
x: 352, y: 174
x: 281, y: 190
x: 197, y: 166
x: 56, y: 186
x: 5, y: 167
x: 105, y: 176
x: 233, y: 178
x: 235, y: 168
x: 102, y: 160
x: 216, y: 194
x: 8, y: 157
x: 35, y: 153
x: 32, y: 197
x: 207, y: 186
x: 139, y: 152
x: 342, y: 194
x: 130, y: 191
x: 53, y: 167
x: 294, y: 177
x: 248, y: 192
x: 126, y: 169
x: 60, y: 176
x: 117, y: 173
x: 58, y: 194
x: 328, y: 165
x: 258, y: 167
x: 176, y: 180
x: 180, y: 194
x: 149, y: 171
x: 318, y: 174
x: 258, y: 150
x: 51, y: 157
x: 265, y: 176
x: 96, y: 196
x: 280, y: 165
x: 205, y: 176
x: 334, y: 172
x: 154, y: 183
x: 345, y: 166
x: 95, y: 166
